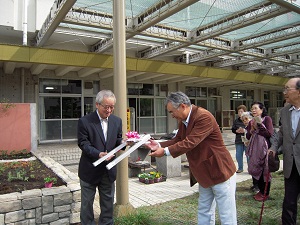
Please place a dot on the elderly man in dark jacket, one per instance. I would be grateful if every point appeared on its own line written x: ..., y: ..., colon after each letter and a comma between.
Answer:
x: 289, y: 139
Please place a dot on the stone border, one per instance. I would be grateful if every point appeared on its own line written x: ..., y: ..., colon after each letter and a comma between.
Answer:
x: 56, y: 205
x: 18, y: 160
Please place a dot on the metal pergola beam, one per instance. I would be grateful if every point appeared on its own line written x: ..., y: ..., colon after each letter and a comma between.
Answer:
x: 86, y: 17
x: 57, y: 13
x: 220, y: 29
x: 208, y: 35
x: 155, y: 14
x: 284, y: 51
x: 232, y: 17
x: 266, y: 38
x: 287, y: 5
x: 105, y: 22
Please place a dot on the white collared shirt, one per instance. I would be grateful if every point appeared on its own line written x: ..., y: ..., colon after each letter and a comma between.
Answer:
x: 295, y: 115
x: 186, y: 123
x: 104, y: 124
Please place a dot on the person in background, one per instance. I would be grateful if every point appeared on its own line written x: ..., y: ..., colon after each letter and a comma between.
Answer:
x: 98, y: 133
x: 246, y: 118
x: 210, y: 163
x: 238, y: 128
x: 260, y: 129
x: 288, y: 137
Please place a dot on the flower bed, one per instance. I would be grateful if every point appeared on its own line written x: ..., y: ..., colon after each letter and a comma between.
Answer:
x: 56, y: 205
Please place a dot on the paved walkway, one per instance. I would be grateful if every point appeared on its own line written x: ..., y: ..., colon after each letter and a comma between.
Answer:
x: 141, y: 194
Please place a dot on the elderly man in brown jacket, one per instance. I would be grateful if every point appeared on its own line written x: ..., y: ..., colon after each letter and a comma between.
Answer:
x: 210, y: 163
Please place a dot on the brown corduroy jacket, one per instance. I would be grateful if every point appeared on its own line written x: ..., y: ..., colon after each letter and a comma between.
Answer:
x: 209, y: 160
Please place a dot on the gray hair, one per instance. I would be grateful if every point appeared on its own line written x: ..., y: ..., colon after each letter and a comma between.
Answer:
x: 247, y: 115
x: 177, y: 98
x: 104, y: 94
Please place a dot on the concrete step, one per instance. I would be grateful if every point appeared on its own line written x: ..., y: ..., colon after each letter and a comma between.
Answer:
x: 66, y: 159
x: 64, y: 153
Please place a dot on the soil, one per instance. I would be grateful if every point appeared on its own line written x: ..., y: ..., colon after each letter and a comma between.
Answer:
x: 19, y: 176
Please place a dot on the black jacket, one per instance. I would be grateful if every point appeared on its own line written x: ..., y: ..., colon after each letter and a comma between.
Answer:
x: 236, y: 125
x: 91, y: 141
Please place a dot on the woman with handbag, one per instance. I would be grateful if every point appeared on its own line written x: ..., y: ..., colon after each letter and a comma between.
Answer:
x: 246, y: 118
x: 259, y: 131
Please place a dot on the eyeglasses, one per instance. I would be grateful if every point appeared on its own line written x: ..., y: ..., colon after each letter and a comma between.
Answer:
x: 106, y: 107
x: 287, y: 89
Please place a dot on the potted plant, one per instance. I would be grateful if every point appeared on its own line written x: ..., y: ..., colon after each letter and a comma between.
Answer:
x: 49, y: 181
x: 157, y: 176
x: 151, y: 178
x: 142, y: 177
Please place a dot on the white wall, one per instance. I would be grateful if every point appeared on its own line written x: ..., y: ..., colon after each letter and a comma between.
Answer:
x: 7, y: 13
x: 18, y: 13
x: 12, y: 11
x: 43, y: 10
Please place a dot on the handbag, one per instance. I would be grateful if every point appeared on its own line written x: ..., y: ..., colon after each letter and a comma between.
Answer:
x: 273, y: 162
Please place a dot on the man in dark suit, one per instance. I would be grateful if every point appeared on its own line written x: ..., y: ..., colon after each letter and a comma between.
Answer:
x: 289, y: 139
x: 210, y: 163
x: 98, y: 133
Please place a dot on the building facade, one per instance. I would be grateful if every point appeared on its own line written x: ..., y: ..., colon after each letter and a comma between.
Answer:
x: 62, y: 76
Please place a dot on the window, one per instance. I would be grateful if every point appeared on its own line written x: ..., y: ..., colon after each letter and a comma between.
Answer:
x: 147, y: 103
x: 60, y: 107
x: 279, y: 99
x: 237, y: 94
x: 50, y: 86
x: 140, y: 89
x: 241, y: 97
x: 161, y: 90
x: 50, y: 108
x: 71, y: 86
x: 160, y: 107
x: 71, y: 107
x: 196, y: 91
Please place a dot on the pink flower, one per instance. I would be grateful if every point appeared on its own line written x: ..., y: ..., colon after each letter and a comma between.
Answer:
x: 132, y: 134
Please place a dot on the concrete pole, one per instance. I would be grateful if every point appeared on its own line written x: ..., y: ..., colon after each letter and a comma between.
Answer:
x: 25, y: 19
x: 123, y: 206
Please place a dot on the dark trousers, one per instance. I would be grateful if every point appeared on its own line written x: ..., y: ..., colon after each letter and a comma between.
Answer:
x: 254, y: 182
x: 262, y: 185
x: 106, y: 191
x: 291, y: 196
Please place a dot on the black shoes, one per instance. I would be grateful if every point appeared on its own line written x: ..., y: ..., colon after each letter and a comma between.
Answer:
x: 254, y: 189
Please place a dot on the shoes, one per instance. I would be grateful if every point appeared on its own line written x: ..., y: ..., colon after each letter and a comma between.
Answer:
x: 260, y: 197
x: 239, y: 171
x: 254, y: 189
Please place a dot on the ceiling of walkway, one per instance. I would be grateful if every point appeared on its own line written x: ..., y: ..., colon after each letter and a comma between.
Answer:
x: 256, y: 36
